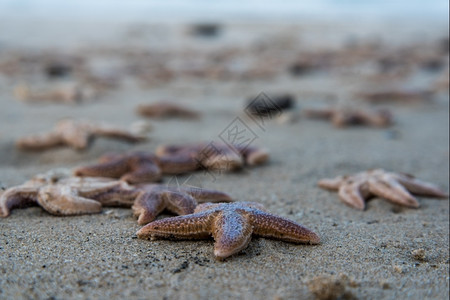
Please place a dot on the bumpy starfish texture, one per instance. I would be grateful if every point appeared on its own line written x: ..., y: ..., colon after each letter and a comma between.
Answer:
x: 64, y: 196
x: 76, y: 134
x: 342, y: 117
x: 231, y: 225
x: 354, y: 190
x: 137, y: 167
x: 215, y: 156
x: 165, y: 109
x: 155, y: 198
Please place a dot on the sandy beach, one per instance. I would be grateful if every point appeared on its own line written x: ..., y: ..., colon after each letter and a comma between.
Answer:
x: 369, y: 254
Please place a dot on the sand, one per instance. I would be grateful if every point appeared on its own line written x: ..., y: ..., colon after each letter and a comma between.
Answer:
x: 385, y: 252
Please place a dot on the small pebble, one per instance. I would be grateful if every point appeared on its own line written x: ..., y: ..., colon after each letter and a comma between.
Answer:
x: 418, y: 254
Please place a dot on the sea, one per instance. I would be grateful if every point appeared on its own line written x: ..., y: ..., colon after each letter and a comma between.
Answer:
x: 224, y: 10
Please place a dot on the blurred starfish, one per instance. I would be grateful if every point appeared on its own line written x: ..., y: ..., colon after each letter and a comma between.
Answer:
x: 215, y: 156
x: 231, y: 225
x: 76, y: 134
x: 354, y: 190
x: 137, y: 167
x: 342, y: 117
x: 179, y: 200
x: 166, y: 110
x: 64, y: 196
x: 396, y: 95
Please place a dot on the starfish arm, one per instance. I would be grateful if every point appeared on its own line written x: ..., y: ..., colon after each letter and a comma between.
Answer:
x: 145, y: 172
x: 78, y: 139
x: 194, y: 226
x: 113, y: 132
x: 40, y: 141
x: 114, y: 169
x: 381, y: 118
x: 391, y: 190
x: 268, y: 225
x: 147, y: 206
x: 15, y: 198
x: 419, y: 187
x: 179, y: 203
x: 64, y: 201
x: 203, y: 195
x: 177, y: 164
x: 232, y: 232
x: 341, y: 119
x: 353, y: 194
x: 331, y: 183
x: 164, y: 110
x: 253, y: 156
x: 118, y: 194
x: 167, y: 150
x: 109, y: 157
x: 222, y: 159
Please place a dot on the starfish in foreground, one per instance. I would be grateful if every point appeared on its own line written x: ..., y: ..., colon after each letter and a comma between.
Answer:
x: 355, y: 189
x: 65, y: 196
x: 166, y: 109
x: 137, y: 167
x: 155, y: 198
x: 231, y: 225
x: 215, y: 156
x: 342, y: 117
x: 76, y: 134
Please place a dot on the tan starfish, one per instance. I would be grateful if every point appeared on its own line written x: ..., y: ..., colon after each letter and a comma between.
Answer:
x: 76, y: 134
x: 179, y: 200
x: 395, y: 187
x: 165, y: 109
x: 137, y: 167
x: 63, y: 196
x: 231, y: 225
x: 215, y: 156
x: 63, y: 94
x: 341, y: 117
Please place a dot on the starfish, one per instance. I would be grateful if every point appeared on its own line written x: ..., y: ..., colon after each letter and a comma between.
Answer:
x: 76, y: 134
x: 215, y: 156
x: 355, y: 189
x: 64, y: 196
x: 231, y: 225
x: 341, y: 117
x: 64, y: 94
x: 137, y: 167
x: 396, y: 95
x: 155, y: 198
x: 165, y: 109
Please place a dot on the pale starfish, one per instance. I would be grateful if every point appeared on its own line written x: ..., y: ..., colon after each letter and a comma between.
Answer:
x: 354, y: 190
x: 68, y: 195
x: 215, y: 156
x: 341, y: 117
x: 231, y: 225
x: 137, y: 167
x: 76, y: 134
x: 179, y: 200
x: 166, y: 110
x: 65, y: 94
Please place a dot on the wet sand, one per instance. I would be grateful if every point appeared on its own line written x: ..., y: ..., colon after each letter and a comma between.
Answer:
x: 99, y: 256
